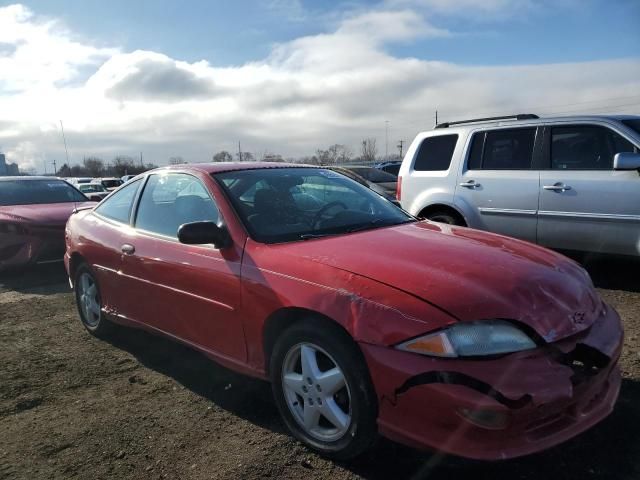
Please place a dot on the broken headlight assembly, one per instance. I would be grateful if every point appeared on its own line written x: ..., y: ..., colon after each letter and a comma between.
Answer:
x: 473, y: 339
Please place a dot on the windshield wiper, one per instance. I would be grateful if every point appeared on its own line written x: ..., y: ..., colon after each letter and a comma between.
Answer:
x: 309, y: 236
x: 372, y: 224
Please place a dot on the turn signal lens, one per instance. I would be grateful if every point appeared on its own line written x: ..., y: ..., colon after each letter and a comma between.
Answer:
x: 437, y: 345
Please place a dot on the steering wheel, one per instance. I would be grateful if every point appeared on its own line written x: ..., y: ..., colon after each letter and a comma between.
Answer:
x: 322, y: 211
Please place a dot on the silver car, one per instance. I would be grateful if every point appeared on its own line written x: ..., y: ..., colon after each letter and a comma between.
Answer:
x: 567, y: 182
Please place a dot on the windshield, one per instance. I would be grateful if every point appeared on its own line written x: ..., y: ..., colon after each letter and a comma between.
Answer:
x: 31, y: 192
x: 633, y: 124
x: 373, y: 174
x: 285, y: 204
x: 91, y: 188
x: 111, y: 183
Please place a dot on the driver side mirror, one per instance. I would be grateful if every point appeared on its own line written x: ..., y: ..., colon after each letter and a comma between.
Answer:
x: 626, y: 161
x: 202, y: 233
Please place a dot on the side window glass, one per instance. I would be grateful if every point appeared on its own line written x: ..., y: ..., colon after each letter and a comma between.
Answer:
x: 475, y: 152
x: 171, y: 200
x: 508, y: 149
x: 435, y: 153
x: 585, y: 147
x: 118, y: 205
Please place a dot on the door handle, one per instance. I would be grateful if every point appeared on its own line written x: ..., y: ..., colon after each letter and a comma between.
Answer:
x: 470, y: 184
x: 128, y: 249
x: 557, y: 187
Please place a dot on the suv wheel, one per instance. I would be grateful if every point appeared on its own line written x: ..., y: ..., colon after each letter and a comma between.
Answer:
x: 443, y: 216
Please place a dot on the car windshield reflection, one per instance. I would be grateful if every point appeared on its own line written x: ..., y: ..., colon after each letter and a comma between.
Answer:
x: 286, y: 204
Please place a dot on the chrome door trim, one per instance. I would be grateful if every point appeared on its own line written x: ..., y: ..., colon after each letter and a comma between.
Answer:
x: 506, y: 211
x: 613, y: 217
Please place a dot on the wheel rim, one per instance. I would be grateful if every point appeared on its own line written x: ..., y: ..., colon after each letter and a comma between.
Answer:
x: 89, y: 300
x: 316, y: 392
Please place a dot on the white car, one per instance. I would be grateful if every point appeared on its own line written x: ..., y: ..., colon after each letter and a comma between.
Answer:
x: 568, y: 183
x: 109, y: 183
x: 94, y: 191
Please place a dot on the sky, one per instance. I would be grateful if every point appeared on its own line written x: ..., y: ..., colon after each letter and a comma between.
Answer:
x: 168, y: 78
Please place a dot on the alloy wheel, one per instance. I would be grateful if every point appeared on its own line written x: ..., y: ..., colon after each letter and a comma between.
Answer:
x: 316, y: 392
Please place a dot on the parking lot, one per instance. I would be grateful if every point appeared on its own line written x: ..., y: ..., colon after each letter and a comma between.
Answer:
x: 138, y: 406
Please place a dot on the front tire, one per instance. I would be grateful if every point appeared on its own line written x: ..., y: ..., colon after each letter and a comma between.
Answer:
x: 323, y: 391
x: 443, y: 216
x: 89, y: 303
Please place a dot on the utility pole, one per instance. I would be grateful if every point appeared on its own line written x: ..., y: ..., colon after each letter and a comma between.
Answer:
x: 400, y: 145
x: 141, y: 165
x: 55, y: 169
x: 386, y: 139
x: 436, y: 118
x: 239, y: 151
x: 65, y: 142
x: 44, y: 162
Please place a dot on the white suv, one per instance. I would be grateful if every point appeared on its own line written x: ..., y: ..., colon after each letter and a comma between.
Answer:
x: 568, y: 182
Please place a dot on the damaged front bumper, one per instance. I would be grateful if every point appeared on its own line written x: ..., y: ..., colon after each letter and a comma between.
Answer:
x: 499, y: 408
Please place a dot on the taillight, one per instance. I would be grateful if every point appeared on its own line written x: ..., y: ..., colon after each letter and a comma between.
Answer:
x: 399, y: 189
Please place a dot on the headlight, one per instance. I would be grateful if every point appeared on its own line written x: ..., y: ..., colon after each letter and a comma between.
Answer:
x: 487, y: 337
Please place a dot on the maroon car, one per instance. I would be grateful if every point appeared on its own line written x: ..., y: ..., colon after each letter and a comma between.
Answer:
x: 365, y: 319
x: 33, y: 213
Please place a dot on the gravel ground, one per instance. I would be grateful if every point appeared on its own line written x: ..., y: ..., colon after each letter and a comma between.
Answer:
x: 140, y: 406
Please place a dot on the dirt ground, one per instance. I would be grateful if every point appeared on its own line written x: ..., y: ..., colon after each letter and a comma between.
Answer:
x: 139, y: 406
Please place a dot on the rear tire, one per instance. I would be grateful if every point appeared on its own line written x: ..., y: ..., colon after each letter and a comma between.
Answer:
x: 444, y: 216
x: 89, y: 302
x: 323, y: 390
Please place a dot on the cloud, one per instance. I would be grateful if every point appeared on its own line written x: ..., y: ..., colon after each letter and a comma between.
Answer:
x: 150, y: 76
x: 335, y: 87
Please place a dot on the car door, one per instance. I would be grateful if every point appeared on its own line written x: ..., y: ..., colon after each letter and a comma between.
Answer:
x: 584, y: 203
x: 497, y: 183
x: 108, y: 228
x: 189, y: 291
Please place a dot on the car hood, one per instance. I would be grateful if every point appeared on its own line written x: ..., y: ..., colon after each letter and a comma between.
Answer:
x: 472, y: 275
x: 50, y: 214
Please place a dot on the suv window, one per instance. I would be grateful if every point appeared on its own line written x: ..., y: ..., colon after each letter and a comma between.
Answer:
x: 171, y: 200
x: 502, y: 149
x: 435, y: 153
x: 118, y: 205
x: 585, y: 147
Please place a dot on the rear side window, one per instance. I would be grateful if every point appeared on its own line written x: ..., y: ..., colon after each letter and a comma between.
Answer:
x: 502, y: 149
x: 585, y: 147
x: 118, y: 205
x: 434, y: 153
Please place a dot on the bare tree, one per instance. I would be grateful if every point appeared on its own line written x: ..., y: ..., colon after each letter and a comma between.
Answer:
x: 368, y: 151
x: 94, y: 166
x: 122, y: 165
x: 223, y: 156
x: 245, y: 157
x: 271, y: 157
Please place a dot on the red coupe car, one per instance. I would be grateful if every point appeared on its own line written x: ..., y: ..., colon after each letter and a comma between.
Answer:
x: 33, y: 213
x: 364, y: 319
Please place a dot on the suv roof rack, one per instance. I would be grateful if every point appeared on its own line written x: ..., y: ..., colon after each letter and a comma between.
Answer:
x: 520, y: 116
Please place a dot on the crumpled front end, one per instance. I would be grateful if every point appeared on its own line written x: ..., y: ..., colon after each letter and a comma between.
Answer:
x: 23, y: 244
x: 498, y: 408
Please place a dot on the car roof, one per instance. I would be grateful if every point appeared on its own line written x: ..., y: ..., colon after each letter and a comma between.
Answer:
x: 30, y: 177
x: 508, y: 121
x: 220, y: 167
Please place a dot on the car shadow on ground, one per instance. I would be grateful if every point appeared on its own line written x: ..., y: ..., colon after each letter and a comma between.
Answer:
x: 46, y: 279
x: 606, y: 451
